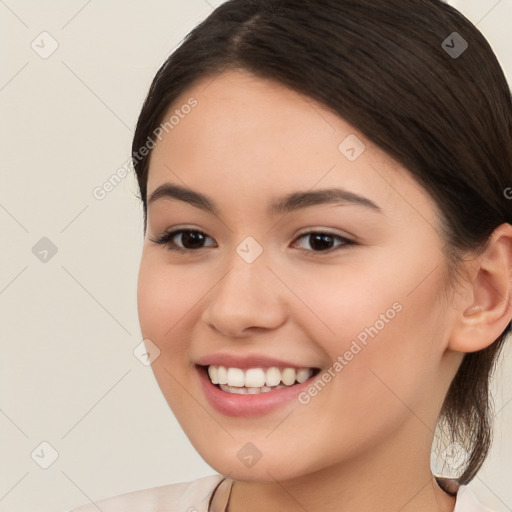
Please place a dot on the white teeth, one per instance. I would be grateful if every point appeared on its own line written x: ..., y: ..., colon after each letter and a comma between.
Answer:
x: 249, y: 391
x: 256, y: 380
x: 302, y: 375
x: 222, y: 375
x: 288, y: 376
x: 212, y: 372
x: 236, y: 377
x: 273, y: 376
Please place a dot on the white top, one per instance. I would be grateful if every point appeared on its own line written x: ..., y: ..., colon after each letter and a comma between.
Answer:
x: 195, y: 496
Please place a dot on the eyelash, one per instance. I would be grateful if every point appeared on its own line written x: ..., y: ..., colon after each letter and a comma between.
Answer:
x: 166, y: 240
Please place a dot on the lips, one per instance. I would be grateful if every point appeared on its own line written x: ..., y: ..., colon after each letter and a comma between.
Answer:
x: 251, y: 386
x: 247, y: 361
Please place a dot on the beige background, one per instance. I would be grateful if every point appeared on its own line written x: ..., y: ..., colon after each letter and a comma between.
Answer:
x: 69, y: 326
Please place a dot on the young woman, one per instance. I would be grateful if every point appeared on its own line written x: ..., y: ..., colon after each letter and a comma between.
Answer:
x: 326, y: 275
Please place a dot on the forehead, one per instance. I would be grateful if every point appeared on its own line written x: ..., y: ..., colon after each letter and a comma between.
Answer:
x: 254, y: 138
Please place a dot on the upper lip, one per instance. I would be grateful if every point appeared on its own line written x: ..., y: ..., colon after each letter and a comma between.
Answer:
x: 247, y: 361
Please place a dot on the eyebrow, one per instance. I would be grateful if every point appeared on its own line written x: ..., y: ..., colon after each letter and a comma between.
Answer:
x: 285, y: 204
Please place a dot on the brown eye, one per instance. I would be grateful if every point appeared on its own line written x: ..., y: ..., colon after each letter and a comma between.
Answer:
x: 320, y: 241
x: 190, y: 240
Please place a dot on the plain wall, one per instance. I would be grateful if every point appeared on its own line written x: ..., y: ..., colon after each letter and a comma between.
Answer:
x: 69, y: 324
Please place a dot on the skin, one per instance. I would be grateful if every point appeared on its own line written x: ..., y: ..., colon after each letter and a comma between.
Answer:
x: 363, y: 443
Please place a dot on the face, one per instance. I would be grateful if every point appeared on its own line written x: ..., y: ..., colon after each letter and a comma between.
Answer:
x: 320, y: 316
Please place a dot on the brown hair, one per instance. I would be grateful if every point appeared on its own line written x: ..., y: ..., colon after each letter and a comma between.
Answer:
x: 386, y: 68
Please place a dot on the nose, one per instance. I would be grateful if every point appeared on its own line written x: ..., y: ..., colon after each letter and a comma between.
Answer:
x: 247, y: 298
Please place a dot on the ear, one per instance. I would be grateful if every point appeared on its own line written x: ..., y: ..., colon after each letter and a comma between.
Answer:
x: 486, y: 306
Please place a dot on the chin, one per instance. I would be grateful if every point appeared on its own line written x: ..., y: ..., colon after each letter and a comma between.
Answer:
x: 266, y: 469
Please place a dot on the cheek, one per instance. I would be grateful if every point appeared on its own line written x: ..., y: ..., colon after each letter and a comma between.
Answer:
x: 347, y: 302
x: 393, y: 298
x: 382, y: 329
x: 165, y: 300
x: 166, y: 297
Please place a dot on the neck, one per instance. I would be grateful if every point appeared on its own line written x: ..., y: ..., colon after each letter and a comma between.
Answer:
x: 390, y: 479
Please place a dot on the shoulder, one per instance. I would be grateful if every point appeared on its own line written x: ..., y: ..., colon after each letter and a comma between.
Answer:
x: 468, y: 502
x: 184, y: 497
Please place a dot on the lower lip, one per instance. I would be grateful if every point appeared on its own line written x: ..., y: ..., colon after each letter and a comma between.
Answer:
x: 233, y: 404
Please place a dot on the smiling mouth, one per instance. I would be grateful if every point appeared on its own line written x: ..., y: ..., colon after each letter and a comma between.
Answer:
x: 252, y: 381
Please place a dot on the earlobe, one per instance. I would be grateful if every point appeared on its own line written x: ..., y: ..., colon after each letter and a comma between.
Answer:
x: 489, y: 311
